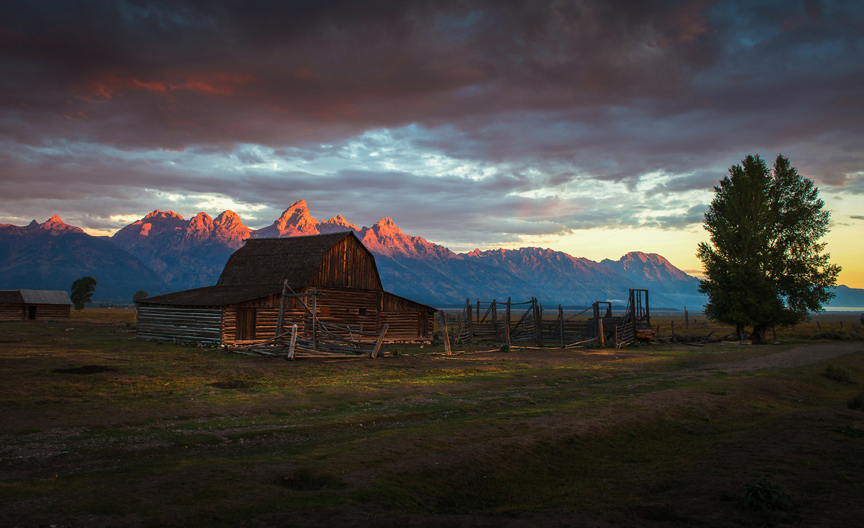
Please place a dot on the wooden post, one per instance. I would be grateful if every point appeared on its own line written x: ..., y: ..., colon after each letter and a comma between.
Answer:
x: 537, y: 321
x: 601, y: 334
x: 774, y: 331
x: 470, y: 320
x: 673, y: 330
x: 596, y: 307
x: 380, y: 340
x: 314, y: 321
x: 507, y: 324
x: 818, y: 326
x: 478, y: 311
x: 282, y: 308
x: 686, y: 320
x: 293, y: 342
x: 444, y: 333
x: 561, y: 323
x: 495, y: 317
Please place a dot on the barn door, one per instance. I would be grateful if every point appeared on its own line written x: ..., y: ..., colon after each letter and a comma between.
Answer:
x: 245, y: 329
x: 422, y: 325
x: 31, y: 313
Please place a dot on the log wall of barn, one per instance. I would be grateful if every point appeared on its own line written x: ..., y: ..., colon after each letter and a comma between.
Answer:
x: 407, y: 325
x: 44, y: 312
x: 12, y: 312
x: 47, y: 312
x: 171, y: 323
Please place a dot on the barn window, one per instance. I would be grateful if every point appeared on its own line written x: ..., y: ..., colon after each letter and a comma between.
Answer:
x: 31, y: 313
x: 245, y: 330
x: 362, y: 312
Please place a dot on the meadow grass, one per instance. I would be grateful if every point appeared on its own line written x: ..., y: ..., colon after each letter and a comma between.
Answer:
x: 180, y: 435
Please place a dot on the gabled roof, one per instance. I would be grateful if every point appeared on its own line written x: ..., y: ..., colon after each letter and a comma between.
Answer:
x: 272, y: 260
x: 35, y: 297
x: 215, y: 295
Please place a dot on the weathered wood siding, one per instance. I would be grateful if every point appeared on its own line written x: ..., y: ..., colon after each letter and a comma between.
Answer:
x: 47, y: 312
x: 348, y: 265
x: 198, y: 324
x: 43, y: 312
x: 407, y: 319
x: 408, y: 326
x: 12, y: 312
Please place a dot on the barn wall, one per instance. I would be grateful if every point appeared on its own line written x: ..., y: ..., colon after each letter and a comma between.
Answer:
x: 12, y: 312
x: 408, y: 325
x: 348, y: 265
x: 354, y: 308
x: 200, y: 325
x: 46, y: 312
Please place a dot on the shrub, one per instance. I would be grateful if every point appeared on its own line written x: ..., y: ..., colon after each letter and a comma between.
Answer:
x: 857, y: 402
x: 851, y: 430
x: 837, y: 335
x: 836, y: 373
x: 505, y: 349
x: 766, y: 495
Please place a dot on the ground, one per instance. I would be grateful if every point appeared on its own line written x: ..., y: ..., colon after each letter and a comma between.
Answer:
x: 102, y: 429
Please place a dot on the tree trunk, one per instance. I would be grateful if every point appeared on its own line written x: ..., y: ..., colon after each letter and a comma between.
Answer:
x: 758, y: 335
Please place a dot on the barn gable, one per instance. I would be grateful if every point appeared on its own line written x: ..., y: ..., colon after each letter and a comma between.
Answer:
x: 337, y: 260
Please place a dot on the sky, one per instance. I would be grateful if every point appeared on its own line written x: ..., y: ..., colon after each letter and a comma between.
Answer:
x: 593, y: 127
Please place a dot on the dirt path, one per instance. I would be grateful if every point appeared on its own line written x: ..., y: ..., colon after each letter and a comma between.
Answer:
x: 794, y: 357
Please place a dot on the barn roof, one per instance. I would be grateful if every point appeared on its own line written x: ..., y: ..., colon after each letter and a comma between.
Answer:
x: 272, y: 260
x: 35, y: 297
x: 215, y: 295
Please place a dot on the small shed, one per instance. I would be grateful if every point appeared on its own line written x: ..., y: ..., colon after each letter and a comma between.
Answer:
x: 34, y: 305
x: 333, y: 274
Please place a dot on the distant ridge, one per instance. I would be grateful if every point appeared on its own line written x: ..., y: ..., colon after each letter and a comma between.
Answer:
x: 163, y: 252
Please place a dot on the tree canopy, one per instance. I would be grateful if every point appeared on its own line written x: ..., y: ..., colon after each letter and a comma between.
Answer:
x: 765, y: 265
x: 82, y: 292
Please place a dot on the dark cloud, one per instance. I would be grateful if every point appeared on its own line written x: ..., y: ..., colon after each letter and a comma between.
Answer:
x: 538, y: 109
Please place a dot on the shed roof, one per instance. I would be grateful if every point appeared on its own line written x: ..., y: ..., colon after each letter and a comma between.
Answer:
x: 35, y: 297
x: 11, y: 297
x: 219, y: 295
x: 272, y: 260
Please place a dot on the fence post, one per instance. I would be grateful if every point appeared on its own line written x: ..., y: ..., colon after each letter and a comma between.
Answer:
x: 602, y: 333
x: 686, y: 320
x: 507, y: 324
x: 281, y: 320
x: 314, y: 320
x: 561, y: 323
x: 293, y: 342
x: 495, y: 317
x: 470, y: 320
x: 538, y: 323
x: 673, y: 331
x: 444, y: 332
x: 478, y: 311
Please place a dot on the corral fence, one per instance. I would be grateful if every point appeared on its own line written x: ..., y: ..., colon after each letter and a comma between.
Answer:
x: 521, y: 322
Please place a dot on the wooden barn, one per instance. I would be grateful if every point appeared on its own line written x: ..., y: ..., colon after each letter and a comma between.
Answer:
x: 34, y: 305
x: 332, y: 274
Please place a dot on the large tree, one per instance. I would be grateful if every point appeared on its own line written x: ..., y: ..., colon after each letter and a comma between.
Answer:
x: 765, y: 265
x: 82, y: 292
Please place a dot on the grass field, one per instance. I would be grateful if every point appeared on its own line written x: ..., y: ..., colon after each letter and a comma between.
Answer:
x: 103, y: 429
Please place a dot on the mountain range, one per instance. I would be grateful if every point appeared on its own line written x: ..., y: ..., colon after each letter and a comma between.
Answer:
x: 163, y: 252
